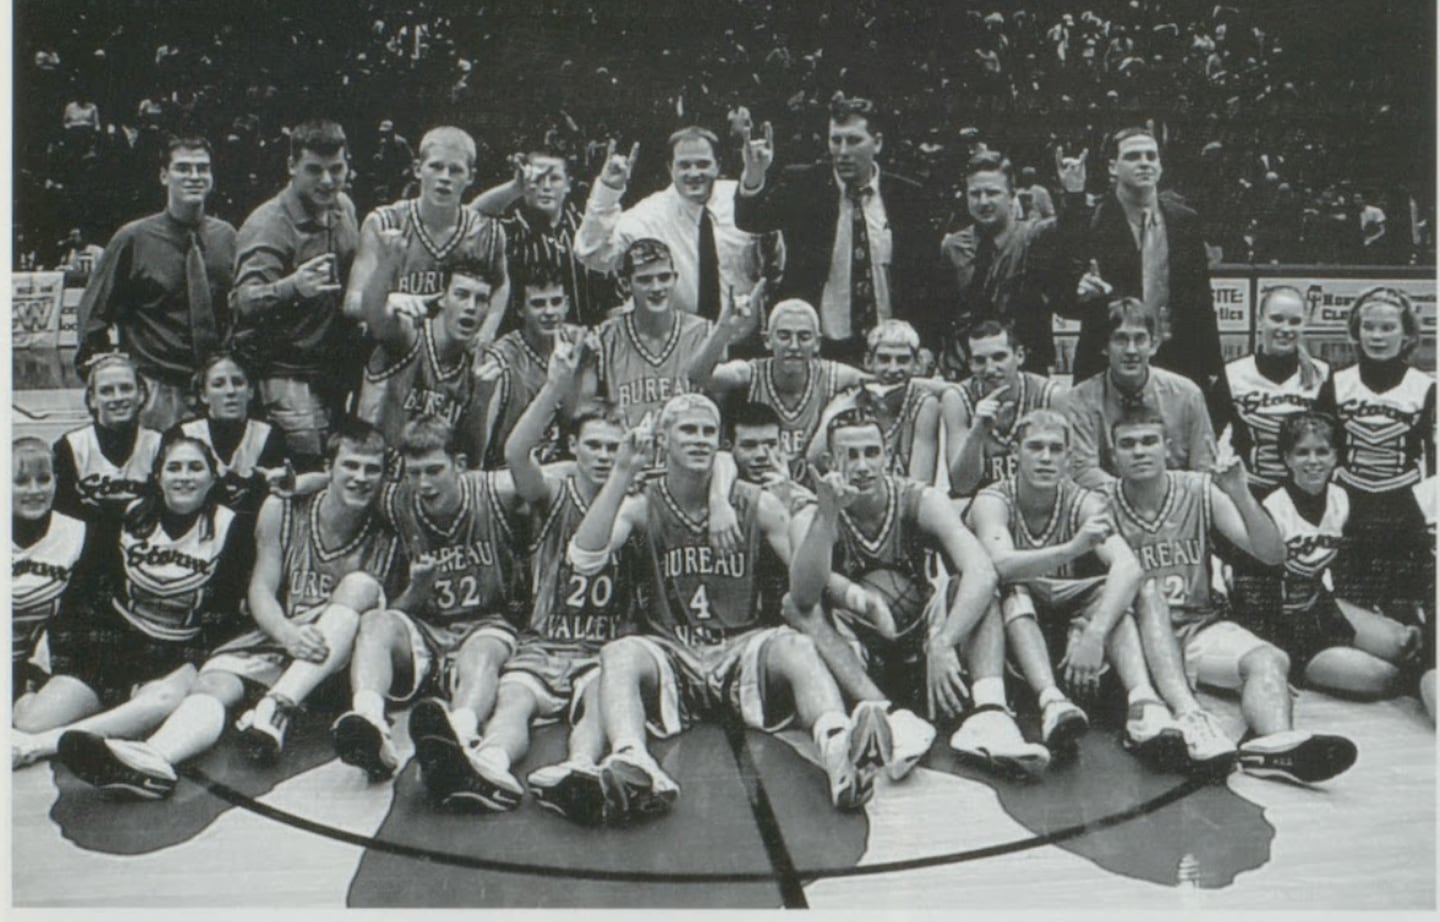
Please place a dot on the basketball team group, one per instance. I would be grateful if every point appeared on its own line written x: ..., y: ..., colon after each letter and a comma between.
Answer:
x: 754, y: 451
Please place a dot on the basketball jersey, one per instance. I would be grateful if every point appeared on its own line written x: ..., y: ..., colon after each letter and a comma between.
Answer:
x: 898, y: 544
x: 695, y: 594
x: 637, y: 380
x: 798, y: 420
x: 39, y: 575
x: 1310, y: 547
x: 1063, y: 523
x: 1384, y: 439
x: 397, y: 390
x: 239, y: 494
x: 311, y: 571
x: 1174, y: 547
x: 421, y: 273
x: 1032, y: 393
x: 522, y: 375
x: 107, y: 487
x: 574, y: 611
x: 166, y: 582
x: 898, y: 410
x: 477, y: 570
x: 1261, y: 405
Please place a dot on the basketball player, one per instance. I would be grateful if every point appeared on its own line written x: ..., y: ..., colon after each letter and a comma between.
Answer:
x: 987, y: 406
x: 1093, y: 405
x: 521, y: 357
x: 425, y: 365
x: 794, y: 380
x: 712, y: 642
x: 753, y: 432
x: 45, y: 547
x: 1170, y: 520
x: 457, y: 625
x: 882, y: 521
x: 1071, y: 582
x: 643, y: 352
x: 435, y: 228
x: 320, y: 559
x: 103, y: 467
x: 906, y: 405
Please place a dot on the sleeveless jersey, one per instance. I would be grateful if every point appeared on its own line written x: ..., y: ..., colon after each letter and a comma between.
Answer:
x: 311, y: 571
x: 574, y: 612
x: 1033, y: 393
x: 898, y: 410
x: 1064, y: 521
x: 477, y: 570
x: 637, y: 380
x: 798, y: 420
x: 1174, y: 546
x: 1384, y: 441
x: 1261, y: 405
x: 239, y: 494
x: 522, y: 375
x: 898, y: 544
x: 421, y: 273
x: 1310, y: 548
x: 397, y: 390
x: 103, y: 485
x: 39, y: 575
x: 167, y: 581
x: 696, y: 595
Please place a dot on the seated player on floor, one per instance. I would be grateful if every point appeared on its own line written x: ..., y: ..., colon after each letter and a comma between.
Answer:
x: 1170, y: 520
x: 1070, y: 583
x: 320, y: 560
x: 882, y: 522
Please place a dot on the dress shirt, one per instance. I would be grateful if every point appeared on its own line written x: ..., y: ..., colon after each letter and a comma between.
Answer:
x: 531, y: 239
x: 835, y: 298
x: 1147, y: 225
x: 674, y: 220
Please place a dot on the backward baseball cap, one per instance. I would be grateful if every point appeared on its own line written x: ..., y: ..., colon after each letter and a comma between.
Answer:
x: 644, y: 252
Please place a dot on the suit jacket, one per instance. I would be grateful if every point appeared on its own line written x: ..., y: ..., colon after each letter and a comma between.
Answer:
x: 803, y: 202
x: 1194, y: 346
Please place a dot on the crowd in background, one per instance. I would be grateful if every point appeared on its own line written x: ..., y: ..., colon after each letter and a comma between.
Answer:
x: 1298, y: 140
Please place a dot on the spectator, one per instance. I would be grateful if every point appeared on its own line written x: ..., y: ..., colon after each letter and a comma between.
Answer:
x: 162, y: 284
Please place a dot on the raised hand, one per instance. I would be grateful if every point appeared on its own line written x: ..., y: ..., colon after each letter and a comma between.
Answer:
x: 1229, y: 474
x: 1071, y: 170
x: 280, y: 480
x: 394, y: 242
x: 834, y: 492
x: 564, y: 359
x: 637, y: 447
x: 316, y: 277
x: 988, y: 410
x: 758, y: 154
x: 1094, y: 531
x: 1091, y: 285
x: 617, y: 169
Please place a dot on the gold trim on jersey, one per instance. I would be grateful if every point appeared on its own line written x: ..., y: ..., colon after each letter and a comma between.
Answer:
x: 872, y: 546
x: 697, y: 525
x: 639, y: 346
x: 317, y: 543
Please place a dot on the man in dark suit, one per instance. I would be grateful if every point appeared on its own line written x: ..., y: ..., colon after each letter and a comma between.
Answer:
x: 826, y: 212
x: 1146, y: 244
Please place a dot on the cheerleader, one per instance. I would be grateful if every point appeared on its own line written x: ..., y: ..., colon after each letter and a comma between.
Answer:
x: 100, y: 469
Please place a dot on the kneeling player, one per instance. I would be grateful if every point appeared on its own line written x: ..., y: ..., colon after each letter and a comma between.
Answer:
x: 1166, y: 517
x: 456, y: 628
x: 1072, y: 581
x: 714, y: 644
x: 881, y: 521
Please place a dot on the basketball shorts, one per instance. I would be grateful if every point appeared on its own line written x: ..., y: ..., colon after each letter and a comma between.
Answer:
x: 713, y: 681
x: 434, y: 649
x: 257, y: 657
x: 1213, y: 648
x: 555, y: 673
x: 113, y: 658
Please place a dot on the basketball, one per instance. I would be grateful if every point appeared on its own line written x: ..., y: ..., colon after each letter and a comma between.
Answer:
x: 905, y: 596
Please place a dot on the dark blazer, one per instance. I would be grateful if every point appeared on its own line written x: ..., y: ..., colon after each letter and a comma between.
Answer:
x: 1194, y: 347
x: 803, y: 202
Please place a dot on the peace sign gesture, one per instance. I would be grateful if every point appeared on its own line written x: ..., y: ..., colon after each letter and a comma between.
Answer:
x: 617, y: 170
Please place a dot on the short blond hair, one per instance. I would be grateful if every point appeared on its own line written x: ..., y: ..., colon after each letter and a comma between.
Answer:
x: 683, y: 403
x: 892, y: 332
x: 449, y: 136
x: 794, y: 306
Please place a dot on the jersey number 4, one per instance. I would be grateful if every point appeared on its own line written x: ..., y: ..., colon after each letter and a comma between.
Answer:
x: 700, y: 604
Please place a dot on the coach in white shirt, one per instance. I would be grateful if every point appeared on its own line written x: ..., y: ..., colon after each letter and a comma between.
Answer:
x: 710, y: 261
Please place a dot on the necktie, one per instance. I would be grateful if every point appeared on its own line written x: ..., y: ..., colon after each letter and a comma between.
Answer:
x: 977, y: 302
x: 707, y: 303
x: 1155, y: 286
x: 204, y: 335
x: 862, y: 282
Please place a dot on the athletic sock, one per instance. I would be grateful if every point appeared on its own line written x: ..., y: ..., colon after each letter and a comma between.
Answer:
x: 826, y: 726
x: 265, y: 709
x: 197, y: 724
x: 1049, y: 696
x: 370, y: 705
x: 1142, y: 692
x: 302, y: 677
x: 466, y: 724
x: 990, y: 690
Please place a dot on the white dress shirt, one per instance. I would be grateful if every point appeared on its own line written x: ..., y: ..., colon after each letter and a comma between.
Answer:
x: 835, y: 299
x: 606, y: 232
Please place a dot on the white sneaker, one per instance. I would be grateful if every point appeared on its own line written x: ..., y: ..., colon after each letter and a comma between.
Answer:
x: 1062, y: 723
x: 1154, y: 736
x: 635, y: 786
x: 571, y: 789
x: 850, y: 788
x: 127, y: 767
x: 1210, y: 751
x: 911, y: 736
x: 486, y: 782
x: 361, y: 743
x: 263, y: 737
x: 26, y: 749
x: 990, y: 736
x: 1295, y: 755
